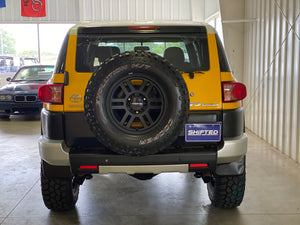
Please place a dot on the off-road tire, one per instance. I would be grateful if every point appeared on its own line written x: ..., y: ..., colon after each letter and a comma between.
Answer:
x: 161, y: 103
x: 59, y: 194
x: 226, y: 192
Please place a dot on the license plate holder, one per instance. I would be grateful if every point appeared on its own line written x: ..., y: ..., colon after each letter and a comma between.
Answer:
x: 200, y: 132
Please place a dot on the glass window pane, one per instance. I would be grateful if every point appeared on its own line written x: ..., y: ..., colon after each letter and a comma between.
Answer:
x: 188, y: 52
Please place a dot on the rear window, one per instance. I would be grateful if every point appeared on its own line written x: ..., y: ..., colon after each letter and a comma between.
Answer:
x: 224, y: 65
x: 188, y: 52
x: 61, y: 60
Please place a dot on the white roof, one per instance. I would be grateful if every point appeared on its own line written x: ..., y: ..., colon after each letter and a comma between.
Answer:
x: 209, y: 28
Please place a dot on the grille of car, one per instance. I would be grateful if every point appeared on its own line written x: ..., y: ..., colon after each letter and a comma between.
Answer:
x: 25, y: 98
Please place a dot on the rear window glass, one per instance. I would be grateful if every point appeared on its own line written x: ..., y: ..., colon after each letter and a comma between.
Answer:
x: 187, y: 52
x: 224, y: 65
x: 61, y: 60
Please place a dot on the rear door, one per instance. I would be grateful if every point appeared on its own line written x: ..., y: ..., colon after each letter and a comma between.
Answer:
x: 205, y: 86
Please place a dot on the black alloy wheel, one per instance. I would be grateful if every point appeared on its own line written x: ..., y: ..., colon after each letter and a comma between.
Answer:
x: 136, y: 104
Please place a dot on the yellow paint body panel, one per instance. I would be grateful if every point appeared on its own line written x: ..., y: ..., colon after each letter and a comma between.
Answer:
x: 205, y: 88
x: 227, y: 77
x: 57, y: 78
x: 54, y: 107
x: 77, y: 81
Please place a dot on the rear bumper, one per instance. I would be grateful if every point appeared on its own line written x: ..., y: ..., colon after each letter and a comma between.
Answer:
x: 158, y: 163
x: 233, y: 150
x: 55, y: 152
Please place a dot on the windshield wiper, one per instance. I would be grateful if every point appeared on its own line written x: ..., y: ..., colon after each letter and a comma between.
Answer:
x: 192, y: 73
x: 198, y: 72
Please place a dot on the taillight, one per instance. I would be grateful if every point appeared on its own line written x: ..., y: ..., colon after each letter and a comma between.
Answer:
x: 142, y: 27
x: 199, y: 165
x: 51, y: 93
x: 94, y: 167
x: 234, y: 91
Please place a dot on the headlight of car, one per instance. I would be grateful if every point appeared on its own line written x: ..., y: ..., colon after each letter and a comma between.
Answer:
x: 5, y: 97
x: 8, y: 97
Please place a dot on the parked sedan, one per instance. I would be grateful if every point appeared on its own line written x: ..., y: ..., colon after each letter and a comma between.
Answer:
x: 20, y: 95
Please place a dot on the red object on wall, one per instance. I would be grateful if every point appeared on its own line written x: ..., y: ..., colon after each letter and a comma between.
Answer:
x: 33, y: 8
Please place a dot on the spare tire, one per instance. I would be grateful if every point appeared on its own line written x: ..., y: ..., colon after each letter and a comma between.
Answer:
x: 136, y: 103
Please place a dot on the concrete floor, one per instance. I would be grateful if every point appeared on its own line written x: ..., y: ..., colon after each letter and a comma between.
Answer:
x: 272, y: 192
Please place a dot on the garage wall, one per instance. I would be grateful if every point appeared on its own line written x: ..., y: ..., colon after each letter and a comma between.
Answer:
x: 271, y: 68
x: 136, y: 10
x: 211, y: 8
x: 233, y: 34
x: 65, y: 11
x: 74, y: 11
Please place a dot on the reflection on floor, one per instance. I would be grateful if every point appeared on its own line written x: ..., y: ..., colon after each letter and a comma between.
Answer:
x: 272, y: 192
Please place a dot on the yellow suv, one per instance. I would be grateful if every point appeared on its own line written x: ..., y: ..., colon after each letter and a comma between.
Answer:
x: 142, y: 99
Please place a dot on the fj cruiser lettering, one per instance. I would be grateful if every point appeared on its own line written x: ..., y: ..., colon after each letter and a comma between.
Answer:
x: 142, y: 99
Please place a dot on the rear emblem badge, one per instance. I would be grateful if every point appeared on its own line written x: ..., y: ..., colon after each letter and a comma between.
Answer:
x: 75, y: 98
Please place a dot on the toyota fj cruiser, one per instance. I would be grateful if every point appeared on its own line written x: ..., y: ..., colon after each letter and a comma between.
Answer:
x: 142, y: 99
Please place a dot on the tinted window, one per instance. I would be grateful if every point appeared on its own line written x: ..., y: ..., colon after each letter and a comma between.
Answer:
x: 61, y: 60
x: 224, y: 65
x: 188, y: 51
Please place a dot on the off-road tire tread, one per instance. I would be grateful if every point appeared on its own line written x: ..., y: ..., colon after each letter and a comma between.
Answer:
x: 58, y: 193
x: 128, y: 150
x: 226, y: 192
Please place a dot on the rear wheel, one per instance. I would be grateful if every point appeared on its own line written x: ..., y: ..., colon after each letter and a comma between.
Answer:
x: 226, y: 191
x: 59, y: 193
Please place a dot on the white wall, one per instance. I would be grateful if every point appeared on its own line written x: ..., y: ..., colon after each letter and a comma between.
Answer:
x: 66, y: 11
x: 108, y: 10
x: 272, y: 48
x: 233, y: 34
x: 211, y: 7
x: 73, y: 11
